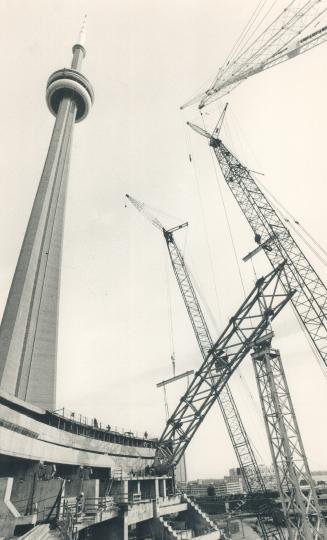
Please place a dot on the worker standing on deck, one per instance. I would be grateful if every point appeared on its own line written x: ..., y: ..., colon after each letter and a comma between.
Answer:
x: 80, y: 503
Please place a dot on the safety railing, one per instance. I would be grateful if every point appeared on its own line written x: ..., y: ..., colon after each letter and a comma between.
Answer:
x: 97, y: 504
x: 93, y: 422
x: 67, y: 522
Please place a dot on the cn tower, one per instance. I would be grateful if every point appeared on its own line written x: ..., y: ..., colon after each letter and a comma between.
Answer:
x: 29, y: 327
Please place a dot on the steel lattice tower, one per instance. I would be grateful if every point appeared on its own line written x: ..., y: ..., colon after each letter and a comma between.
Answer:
x: 296, y: 488
x: 29, y: 328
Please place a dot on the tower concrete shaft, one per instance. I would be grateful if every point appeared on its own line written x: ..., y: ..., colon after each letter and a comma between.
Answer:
x: 29, y: 327
x: 296, y: 488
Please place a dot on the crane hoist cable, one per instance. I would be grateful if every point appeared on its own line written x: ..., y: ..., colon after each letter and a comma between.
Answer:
x: 252, y: 32
x: 295, y: 224
x: 291, y: 220
x: 243, y: 36
x: 204, y: 226
x: 170, y: 311
x: 228, y: 223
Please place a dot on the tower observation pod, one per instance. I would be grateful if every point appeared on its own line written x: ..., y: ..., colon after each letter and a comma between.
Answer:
x: 29, y: 327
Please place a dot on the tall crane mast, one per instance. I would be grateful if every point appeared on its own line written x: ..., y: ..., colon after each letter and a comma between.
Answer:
x: 310, y: 299
x: 294, y: 31
x: 247, y: 462
x: 297, y: 491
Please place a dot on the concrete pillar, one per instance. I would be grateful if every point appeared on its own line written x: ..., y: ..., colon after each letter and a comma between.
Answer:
x: 125, y: 532
x: 156, y: 487
x: 156, y: 502
x: 8, y: 512
x: 164, y: 487
x: 91, y: 490
x: 124, y: 491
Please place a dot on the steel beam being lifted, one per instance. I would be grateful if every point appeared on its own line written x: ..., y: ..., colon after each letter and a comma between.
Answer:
x: 176, y: 378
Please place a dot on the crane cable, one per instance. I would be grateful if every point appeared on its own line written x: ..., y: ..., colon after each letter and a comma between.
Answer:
x: 226, y: 216
x: 170, y: 311
x: 278, y: 206
x: 204, y: 223
x: 244, y: 38
x: 296, y: 222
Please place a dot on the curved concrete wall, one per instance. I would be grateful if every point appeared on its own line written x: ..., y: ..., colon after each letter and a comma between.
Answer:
x: 24, y: 437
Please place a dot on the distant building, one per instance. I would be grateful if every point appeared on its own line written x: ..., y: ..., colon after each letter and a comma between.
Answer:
x: 235, y: 472
x: 222, y: 486
x: 234, y: 485
x: 320, y: 477
x: 196, y: 489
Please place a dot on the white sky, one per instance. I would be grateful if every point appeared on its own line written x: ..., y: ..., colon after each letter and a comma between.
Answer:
x: 145, y: 59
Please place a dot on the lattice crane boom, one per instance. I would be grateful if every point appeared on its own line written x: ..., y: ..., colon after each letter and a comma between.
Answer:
x: 310, y: 300
x: 282, y: 40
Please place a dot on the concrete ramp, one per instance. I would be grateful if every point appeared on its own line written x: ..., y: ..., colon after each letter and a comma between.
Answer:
x: 42, y: 532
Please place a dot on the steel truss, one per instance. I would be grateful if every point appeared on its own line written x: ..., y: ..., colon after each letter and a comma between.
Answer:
x: 296, y: 488
x: 248, y: 464
x: 251, y: 320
